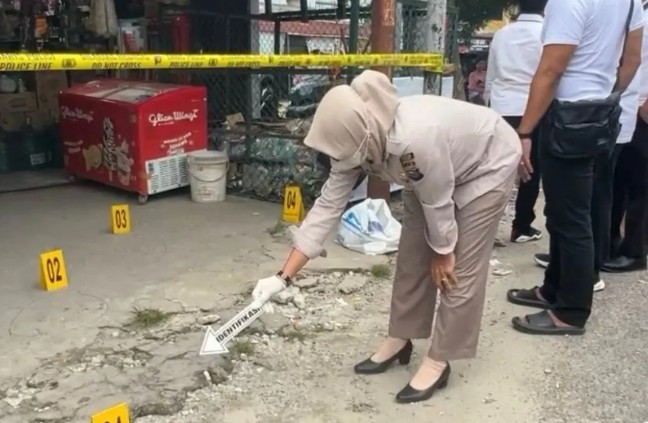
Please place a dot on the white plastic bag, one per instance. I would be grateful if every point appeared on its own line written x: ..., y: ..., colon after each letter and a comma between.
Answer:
x: 369, y: 228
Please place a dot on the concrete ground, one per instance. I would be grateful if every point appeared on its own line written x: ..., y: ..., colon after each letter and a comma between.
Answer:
x: 68, y: 354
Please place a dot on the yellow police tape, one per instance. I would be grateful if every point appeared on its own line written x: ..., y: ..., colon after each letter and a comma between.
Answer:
x: 17, y: 62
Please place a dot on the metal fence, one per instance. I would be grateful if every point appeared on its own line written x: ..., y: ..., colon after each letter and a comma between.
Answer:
x: 261, y: 116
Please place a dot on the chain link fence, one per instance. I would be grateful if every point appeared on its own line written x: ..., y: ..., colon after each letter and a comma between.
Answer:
x: 261, y: 116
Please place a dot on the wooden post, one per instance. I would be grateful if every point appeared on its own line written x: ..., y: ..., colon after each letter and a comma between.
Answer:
x: 383, y: 14
x: 435, y: 40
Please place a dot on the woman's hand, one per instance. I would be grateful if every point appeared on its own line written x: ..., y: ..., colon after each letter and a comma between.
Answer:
x: 266, y: 289
x: 443, y: 271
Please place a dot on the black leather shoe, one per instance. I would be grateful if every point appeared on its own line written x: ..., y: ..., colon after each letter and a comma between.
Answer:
x: 369, y: 367
x: 409, y: 395
x: 624, y: 264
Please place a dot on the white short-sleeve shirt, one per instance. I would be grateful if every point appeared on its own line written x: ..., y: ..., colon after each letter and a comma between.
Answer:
x: 636, y: 93
x: 512, y: 61
x: 597, y: 28
x: 643, y: 69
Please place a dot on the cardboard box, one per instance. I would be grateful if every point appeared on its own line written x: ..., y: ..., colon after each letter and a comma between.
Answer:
x: 48, y: 102
x: 12, y: 122
x: 22, y: 102
x: 50, y: 81
x: 40, y: 120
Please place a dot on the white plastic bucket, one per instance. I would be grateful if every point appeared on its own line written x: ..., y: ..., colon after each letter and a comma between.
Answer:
x: 208, y: 175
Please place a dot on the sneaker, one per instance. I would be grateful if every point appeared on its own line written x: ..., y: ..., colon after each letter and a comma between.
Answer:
x: 599, y: 286
x: 541, y: 259
x: 531, y: 234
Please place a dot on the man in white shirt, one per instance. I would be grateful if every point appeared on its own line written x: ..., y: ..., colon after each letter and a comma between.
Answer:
x: 512, y: 61
x: 584, y: 41
x: 607, y: 241
x: 631, y: 180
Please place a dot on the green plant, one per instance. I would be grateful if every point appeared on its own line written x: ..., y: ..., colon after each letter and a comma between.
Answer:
x: 143, y: 318
x: 380, y: 271
x: 239, y: 348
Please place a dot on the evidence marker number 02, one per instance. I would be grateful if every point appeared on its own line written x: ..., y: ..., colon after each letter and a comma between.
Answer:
x: 53, y: 275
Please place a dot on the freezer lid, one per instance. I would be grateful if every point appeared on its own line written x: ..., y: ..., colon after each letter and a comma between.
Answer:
x: 132, y: 92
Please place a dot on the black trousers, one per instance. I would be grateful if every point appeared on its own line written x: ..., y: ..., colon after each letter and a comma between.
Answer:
x: 568, y: 186
x: 631, y: 197
x: 602, y: 193
x: 527, y: 191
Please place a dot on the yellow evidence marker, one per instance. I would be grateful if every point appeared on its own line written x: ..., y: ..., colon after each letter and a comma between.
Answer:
x: 114, y: 414
x: 53, y: 275
x: 293, y: 206
x: 120, y: 219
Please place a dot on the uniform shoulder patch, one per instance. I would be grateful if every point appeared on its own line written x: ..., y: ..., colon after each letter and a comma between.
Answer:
x: 408, y: 162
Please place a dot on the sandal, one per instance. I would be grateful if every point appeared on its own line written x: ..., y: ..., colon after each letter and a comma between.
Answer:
x: 526, y: 297
x: 542, y: 324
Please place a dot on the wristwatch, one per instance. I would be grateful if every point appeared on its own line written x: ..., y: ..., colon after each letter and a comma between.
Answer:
x: 285, y: 278
x: 523, y: 135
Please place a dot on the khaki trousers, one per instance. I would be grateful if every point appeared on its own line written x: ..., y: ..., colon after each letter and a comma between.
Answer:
x: 414, y: 297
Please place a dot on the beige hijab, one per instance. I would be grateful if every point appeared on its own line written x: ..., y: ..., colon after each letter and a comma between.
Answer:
x: 348, y: 114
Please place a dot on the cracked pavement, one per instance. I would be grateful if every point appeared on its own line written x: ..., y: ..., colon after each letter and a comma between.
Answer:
x: 68, y: 354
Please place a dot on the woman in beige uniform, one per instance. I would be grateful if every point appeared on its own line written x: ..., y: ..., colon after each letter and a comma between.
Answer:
x: 457, y: 162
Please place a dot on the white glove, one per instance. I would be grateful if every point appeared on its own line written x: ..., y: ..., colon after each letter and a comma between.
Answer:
x: 266, y: 289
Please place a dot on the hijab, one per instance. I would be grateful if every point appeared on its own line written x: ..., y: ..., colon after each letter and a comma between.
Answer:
x: 349, y: 115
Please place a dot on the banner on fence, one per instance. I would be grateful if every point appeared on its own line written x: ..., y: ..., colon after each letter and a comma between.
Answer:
x: 22, y: 62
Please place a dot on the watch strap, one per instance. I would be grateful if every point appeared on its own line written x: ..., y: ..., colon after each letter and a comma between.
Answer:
x: 284, y: 277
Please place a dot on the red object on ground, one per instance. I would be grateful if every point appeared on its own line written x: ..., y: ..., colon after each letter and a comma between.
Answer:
x: 132, y: 135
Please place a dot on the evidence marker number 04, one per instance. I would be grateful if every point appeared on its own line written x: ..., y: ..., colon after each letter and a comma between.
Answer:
x: 293, y: 205
x: 215, y: 342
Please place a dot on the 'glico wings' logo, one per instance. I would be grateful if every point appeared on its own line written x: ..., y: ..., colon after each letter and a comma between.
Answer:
x: 69, y: 63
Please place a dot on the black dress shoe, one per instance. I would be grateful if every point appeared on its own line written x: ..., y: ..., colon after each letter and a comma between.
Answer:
x: 409, y: 395
x: 369, y: 367
x: 624, y: 264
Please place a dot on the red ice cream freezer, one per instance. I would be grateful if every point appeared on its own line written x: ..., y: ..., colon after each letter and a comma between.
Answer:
x: 132, y: 135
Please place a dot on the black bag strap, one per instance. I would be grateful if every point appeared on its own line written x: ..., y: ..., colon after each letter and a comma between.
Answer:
x: 625, y: 38
x: 629, y: 20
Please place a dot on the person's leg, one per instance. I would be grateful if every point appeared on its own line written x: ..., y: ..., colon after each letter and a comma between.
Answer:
x: 414, y: 293
x: 458, y: 321
x: 634, y: 247
x: 636, y: 222
x: 619, y: 199
x: 456, y: 329
x: 600, y: 231
x: 568, y: 188
x: 553, y: 271
x: 526, y: 200
x: 551, y: 283
x: 633, y: 165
